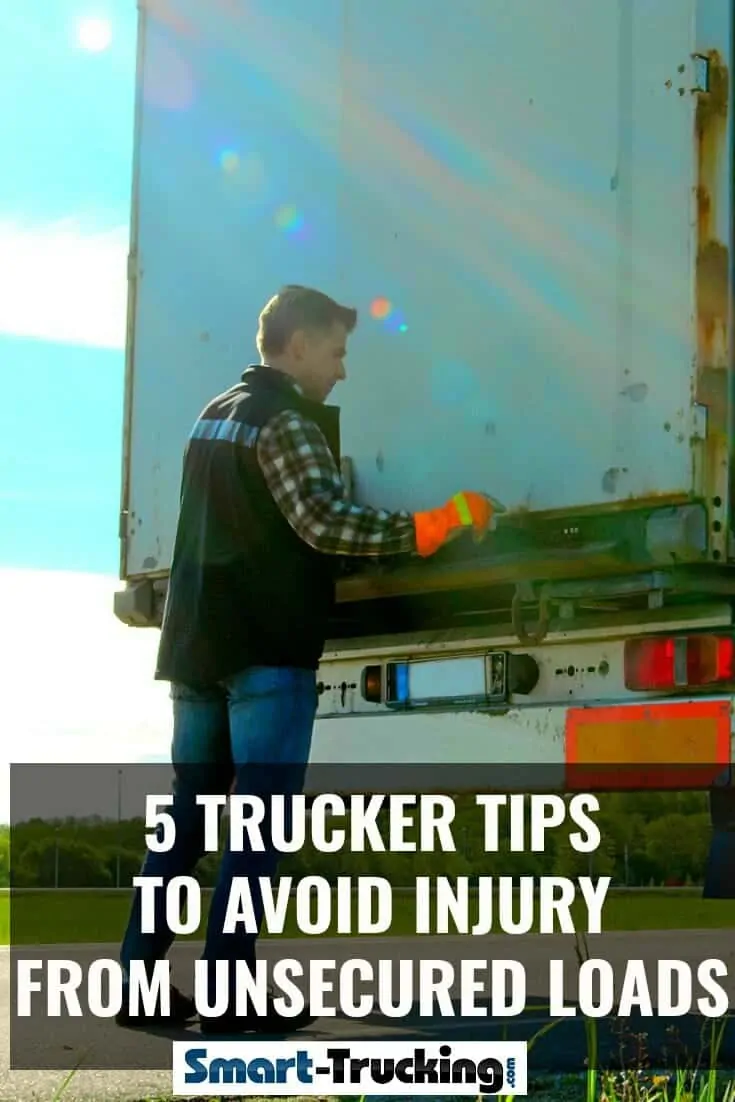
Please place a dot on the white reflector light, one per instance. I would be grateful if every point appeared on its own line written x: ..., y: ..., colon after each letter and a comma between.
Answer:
x: 454, y: 677
x: 459, y: 680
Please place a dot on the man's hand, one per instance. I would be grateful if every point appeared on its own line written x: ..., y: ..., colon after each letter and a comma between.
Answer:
x: 466, y: 510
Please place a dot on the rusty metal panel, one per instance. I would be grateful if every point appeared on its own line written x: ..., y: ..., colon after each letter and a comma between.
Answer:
x: 713, y: 275
x: 529, y: 204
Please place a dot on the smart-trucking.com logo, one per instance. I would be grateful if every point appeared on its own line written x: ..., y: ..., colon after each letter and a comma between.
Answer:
x: 367, y: 1067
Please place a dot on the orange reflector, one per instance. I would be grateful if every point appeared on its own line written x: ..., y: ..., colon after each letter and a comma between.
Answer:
x: 372, y: 684
x: 681, y: 745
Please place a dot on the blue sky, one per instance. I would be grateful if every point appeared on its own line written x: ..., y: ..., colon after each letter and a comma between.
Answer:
x: 68, y: 176
x: 80, y: 683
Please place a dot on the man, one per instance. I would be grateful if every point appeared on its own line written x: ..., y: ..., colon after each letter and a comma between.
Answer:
x: 263, y: 518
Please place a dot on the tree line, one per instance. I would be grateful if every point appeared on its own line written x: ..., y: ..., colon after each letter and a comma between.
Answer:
x: 648, y: 838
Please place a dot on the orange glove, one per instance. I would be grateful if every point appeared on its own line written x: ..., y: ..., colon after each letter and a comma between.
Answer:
x: 465, y: 510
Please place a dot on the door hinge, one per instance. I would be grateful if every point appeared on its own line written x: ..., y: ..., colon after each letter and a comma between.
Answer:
x: 123, y: 526
x: 132, y: 266
x: 699, y: 422
x: 701, y: 73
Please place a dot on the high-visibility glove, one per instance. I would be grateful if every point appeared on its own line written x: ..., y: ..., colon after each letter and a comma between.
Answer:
x: 466, y: 510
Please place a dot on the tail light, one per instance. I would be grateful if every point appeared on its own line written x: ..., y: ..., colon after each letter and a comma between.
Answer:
x: 372, y: 684
x: 460, y: 680
x: 679, y: 662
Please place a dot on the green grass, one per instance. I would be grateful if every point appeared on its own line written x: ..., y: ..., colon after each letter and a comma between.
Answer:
x: 565, y: 1092
x: 77, y: 917
x: 568, y: 1091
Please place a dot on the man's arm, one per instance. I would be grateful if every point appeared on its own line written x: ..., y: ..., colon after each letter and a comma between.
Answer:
x: 306, y: 485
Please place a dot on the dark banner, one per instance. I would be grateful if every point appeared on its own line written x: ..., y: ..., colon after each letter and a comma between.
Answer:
x: 421, y: 904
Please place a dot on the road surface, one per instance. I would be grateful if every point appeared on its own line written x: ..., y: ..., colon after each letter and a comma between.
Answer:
x: 562, y: 1049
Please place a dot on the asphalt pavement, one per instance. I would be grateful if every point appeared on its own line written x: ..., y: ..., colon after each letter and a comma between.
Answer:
x: 142, y: 1058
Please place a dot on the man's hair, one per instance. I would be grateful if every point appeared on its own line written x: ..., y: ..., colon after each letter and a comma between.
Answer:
x: 296, y: 307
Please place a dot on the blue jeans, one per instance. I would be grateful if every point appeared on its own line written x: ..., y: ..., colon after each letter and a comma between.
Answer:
x: 251, y: 735
x: 719, y: 876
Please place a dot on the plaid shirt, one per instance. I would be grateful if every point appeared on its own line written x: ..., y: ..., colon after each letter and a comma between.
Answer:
x: 306, y: 485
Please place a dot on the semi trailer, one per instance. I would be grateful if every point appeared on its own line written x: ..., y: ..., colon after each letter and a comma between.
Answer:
x: 531, y: 207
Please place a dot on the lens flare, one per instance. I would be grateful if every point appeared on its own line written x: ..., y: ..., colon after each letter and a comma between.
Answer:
x: 380, y: 309
x: 289, y: 219
x: 229, y: 160
x: 396, y: 322
x: 245, y: 172
x: 291, y: 222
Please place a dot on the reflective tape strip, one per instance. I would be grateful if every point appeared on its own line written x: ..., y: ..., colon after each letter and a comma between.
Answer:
x: 463, y: 508
x: 233, y: 432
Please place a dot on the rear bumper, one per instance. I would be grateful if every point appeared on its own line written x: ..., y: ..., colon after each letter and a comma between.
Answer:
x: 682, y: 743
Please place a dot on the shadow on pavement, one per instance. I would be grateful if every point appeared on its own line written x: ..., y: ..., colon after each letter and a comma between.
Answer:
x: 561, y: 1045
x: 684, y: 1042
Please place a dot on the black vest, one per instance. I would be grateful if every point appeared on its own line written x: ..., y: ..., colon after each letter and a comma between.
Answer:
x: 244, y: 589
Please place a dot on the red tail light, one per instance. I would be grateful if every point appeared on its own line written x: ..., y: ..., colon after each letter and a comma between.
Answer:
x: 679, y: 662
